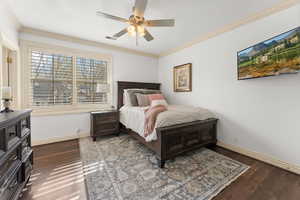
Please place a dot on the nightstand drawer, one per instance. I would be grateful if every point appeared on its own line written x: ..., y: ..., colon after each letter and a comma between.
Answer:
x: 106, y: 117
x: 106, y: 127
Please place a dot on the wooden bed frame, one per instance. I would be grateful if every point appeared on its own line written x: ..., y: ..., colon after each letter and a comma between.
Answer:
x: 172, y: 140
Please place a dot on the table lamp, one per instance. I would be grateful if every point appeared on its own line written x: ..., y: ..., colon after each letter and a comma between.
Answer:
x: 6, y: 96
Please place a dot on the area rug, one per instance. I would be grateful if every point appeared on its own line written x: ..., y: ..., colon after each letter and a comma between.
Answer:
x: 122, y: 168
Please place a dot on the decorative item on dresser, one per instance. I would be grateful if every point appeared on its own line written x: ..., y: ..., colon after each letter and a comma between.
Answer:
x: 16, y: 155
x: 104, y: 122
x: 6, y: 97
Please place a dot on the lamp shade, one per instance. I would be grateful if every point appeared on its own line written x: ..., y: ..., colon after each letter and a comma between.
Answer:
x: 6, y: 92
x: 102, y: 88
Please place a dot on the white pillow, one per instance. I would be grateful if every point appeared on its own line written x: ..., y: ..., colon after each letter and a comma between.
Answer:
x: 126, y: 100
x: 159, y: 102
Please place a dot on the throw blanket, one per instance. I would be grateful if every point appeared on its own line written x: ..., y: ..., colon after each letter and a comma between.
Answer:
x: 150, y: 118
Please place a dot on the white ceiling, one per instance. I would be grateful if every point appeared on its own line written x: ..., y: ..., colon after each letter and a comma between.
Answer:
x: 193, y: 18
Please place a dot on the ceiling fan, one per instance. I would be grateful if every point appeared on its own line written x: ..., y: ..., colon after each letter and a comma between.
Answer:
x: 137, y: 22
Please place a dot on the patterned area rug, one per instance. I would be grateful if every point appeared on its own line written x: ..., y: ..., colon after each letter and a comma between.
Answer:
x: 122, y: 168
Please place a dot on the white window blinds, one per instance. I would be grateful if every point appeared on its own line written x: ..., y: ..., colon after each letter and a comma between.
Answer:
x: 66, y: 80
x: 91, y: 80
x: 51, y: 79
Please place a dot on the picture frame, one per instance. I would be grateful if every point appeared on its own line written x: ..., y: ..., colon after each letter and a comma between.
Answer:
x: 182, y: 78
x: 275, y: 56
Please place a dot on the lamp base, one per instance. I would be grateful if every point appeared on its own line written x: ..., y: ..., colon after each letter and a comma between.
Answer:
x: 6, y: 110
x: 6, y: 104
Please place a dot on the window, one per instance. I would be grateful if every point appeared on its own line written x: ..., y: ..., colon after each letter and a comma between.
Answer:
x: 65, y: 80
x: 51, y: 79
x: 91, y: 79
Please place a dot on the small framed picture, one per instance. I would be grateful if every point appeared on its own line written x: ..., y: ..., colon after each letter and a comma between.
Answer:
x: 182, y: 78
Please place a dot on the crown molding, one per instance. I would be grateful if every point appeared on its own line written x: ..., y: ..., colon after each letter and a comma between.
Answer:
x: 5, y: 41
x: 284, y: 4
x: 73, y: 39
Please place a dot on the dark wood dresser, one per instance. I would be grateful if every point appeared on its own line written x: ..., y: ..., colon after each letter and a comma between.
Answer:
x: 104, y: 123
x: 16, y: 155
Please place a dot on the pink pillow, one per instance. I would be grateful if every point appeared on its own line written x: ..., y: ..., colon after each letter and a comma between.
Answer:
x: 157, y: 99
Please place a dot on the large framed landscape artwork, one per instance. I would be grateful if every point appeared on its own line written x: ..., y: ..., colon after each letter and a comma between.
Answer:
x: 278, y: 55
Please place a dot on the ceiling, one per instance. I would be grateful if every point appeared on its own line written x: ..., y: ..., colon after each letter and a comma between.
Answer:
x: 193, y: 18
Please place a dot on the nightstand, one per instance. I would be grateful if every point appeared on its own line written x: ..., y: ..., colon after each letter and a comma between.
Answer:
x: 104, y: 123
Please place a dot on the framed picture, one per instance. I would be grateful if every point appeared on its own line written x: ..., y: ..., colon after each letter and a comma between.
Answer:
x: 272, y: 57
x: 182, y: 78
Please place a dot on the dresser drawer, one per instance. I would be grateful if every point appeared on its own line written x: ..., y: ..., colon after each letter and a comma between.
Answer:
x: 27, y: 167
x: 12, y: 135
x: 3, y: 146
x: 15, y: 153
x: 25, y: 126
x: 26, y: 148
x: 9, y: 162
x: 10, y: 185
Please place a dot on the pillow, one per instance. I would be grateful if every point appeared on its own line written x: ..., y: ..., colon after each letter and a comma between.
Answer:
x: 132, y: 100
x: 148, y: 91
x: 131, y: 97
x: 142, y: 99
x: 157, y: 99
x: 126, y: 100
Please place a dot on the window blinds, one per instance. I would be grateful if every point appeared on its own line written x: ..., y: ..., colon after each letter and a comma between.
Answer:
x: 51, y: 79
x: 91, y: 80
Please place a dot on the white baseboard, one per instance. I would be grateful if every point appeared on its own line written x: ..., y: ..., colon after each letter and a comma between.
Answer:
x: 262, y: 157
x: 59, y: 139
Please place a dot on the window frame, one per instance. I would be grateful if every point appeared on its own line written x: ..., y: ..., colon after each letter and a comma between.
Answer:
x: 28, y: 46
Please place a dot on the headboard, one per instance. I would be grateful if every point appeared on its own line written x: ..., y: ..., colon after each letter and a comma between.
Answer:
x: 122, y: 85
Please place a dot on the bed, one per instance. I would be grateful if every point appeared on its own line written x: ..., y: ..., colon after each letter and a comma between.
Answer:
x: 172, y: 140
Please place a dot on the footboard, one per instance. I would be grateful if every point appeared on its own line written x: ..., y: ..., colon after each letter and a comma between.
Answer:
x: 181, y: 138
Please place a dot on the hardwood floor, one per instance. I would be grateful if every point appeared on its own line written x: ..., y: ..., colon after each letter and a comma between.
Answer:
x: 58, y: 175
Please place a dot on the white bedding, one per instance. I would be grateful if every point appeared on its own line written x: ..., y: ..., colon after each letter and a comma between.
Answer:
x: 134, y: 117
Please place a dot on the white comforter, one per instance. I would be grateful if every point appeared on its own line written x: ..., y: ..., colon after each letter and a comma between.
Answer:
x: 134, y: 117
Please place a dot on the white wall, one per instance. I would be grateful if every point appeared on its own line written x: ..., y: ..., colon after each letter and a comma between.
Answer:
x: 260, y: 115
x: 9, y: 26
x: 126, y: 67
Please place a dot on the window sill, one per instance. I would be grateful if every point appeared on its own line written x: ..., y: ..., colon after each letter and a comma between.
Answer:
x: 55, y: 111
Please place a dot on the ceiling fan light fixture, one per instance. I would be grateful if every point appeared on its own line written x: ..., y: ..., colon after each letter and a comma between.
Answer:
x: 141, y: 30
x: 137, y: 22
x: 131, y: 30
x: 132, y: 34
x: 142, y: 34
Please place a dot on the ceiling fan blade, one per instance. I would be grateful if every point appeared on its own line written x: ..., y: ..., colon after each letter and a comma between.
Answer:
x: 148, y: 36
x: 110, y: 38
x: 160, y: 22
x: 140, y: 7
x: 119, y: 34
x: 105, y: 15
